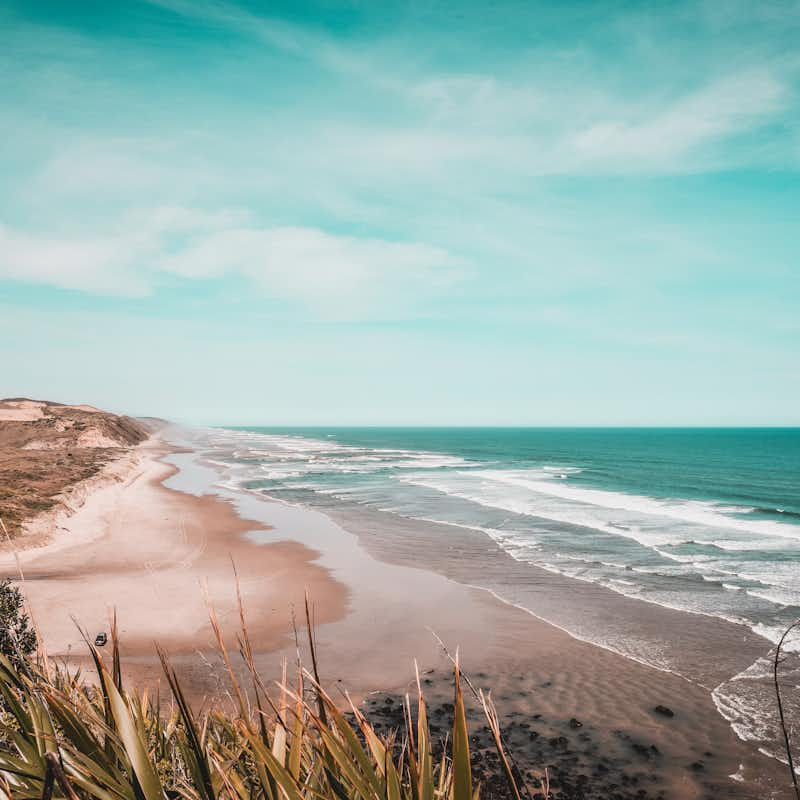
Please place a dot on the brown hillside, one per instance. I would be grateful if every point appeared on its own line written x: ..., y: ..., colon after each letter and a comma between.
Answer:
x: 46, y: 447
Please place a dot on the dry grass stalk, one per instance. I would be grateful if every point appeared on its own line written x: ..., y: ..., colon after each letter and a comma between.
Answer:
x: 66, y: 739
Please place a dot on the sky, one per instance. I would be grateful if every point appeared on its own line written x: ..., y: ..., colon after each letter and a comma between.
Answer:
x: 417, y: 213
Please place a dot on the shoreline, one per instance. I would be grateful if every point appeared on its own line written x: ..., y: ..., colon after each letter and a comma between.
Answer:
x: 474, y: 559
x: 151, y: 553
x: 374, y: 617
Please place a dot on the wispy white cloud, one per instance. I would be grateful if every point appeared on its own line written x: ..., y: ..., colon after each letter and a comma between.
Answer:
x: 100, y: 264
x: 337, y: 275
x: 404, y: 125
x: 723, y: 108
x: 528, y: 117
x: 481, y: 132
x: 332, y: 275
x: 114, y: 165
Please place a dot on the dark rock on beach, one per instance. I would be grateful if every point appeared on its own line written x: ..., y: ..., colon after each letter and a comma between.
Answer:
x: 571, y: 757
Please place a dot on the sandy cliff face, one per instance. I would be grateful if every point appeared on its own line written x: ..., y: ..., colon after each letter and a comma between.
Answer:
x: 46, y: 447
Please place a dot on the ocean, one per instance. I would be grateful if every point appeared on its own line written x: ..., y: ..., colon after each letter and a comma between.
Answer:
x: 700, y: 520
x: 704, y: 521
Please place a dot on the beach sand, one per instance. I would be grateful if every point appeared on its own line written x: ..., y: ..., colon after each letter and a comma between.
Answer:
x: 148, y: 548
x: 153, y: 554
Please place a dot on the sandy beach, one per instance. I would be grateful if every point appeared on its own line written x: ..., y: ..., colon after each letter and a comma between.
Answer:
x: 157, y: 532
x: 154, y: 554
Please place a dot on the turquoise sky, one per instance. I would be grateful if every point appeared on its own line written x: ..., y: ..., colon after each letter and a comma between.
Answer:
x: 403, y: 213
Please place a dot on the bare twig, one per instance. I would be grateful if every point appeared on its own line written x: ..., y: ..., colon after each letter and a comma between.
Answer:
x: 777, y: 661
x: 454, y: 661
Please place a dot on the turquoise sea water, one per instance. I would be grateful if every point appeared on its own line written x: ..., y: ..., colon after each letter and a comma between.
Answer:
x: 702, y: 520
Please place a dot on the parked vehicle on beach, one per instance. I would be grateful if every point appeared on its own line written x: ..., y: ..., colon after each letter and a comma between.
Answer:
x: 100, y: 640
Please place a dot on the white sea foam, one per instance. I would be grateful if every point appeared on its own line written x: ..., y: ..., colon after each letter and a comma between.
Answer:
x: 773, y: 633
x: 730, y: 545
x: 625, y: 583
x: 525, y: 504
x: 594, y: 561
x: 774, y: 596
x: 562, y: 471
x: 743, y: 708
x: 738, y: 776
x: 692, y: 511
x: 746, y: 701
x: 683, y: 559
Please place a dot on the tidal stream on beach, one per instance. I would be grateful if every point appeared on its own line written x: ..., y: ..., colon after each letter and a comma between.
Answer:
x: 679, y: 549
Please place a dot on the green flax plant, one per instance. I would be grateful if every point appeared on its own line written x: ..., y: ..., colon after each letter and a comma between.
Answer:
x: 62, y: 736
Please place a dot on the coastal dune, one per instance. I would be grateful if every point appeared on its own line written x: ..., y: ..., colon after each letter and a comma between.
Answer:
x: 51, y: 455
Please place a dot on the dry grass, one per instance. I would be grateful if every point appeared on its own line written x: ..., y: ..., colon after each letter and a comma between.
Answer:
x: 63, y: 737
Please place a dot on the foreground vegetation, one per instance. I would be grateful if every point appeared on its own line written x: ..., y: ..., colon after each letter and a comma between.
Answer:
x: 61, y: 736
